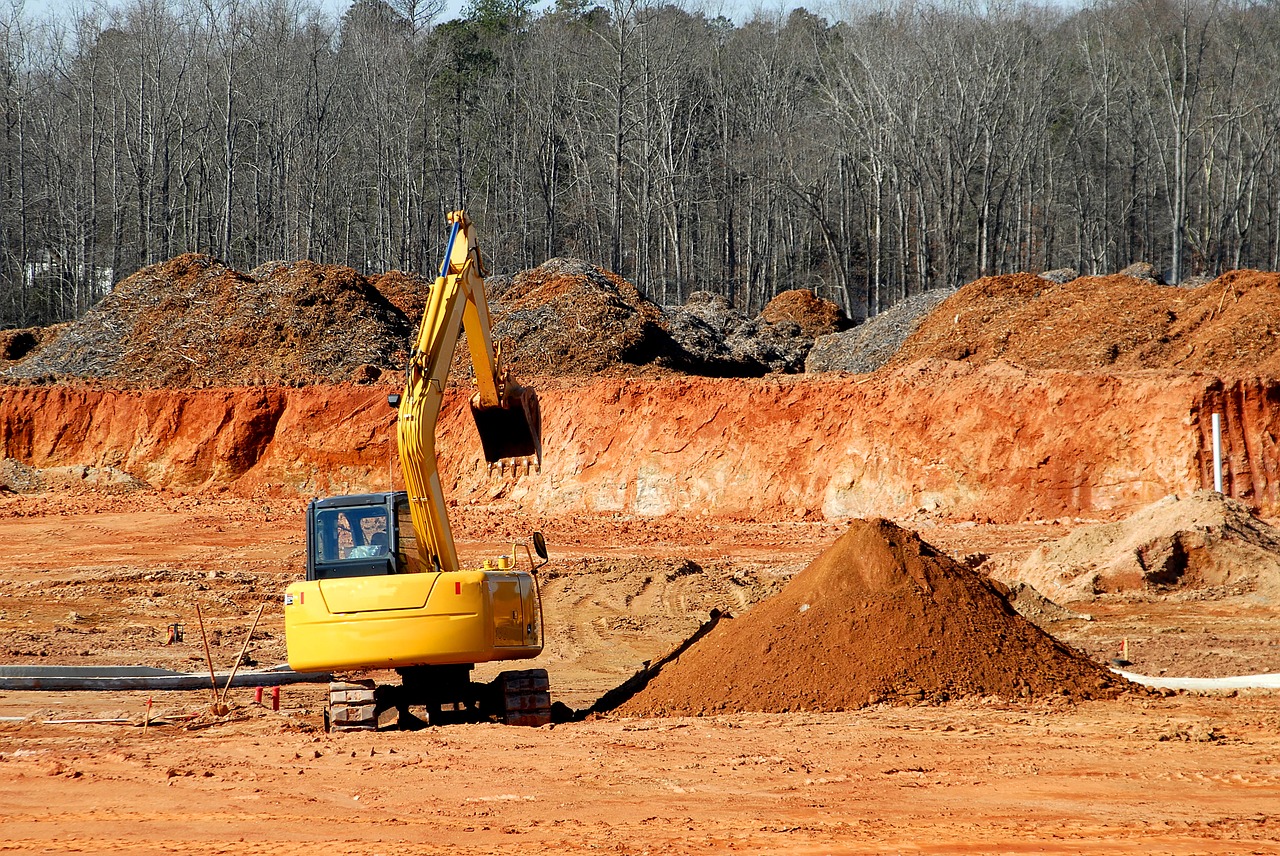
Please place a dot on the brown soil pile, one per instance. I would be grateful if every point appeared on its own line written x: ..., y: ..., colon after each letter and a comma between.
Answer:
x: 816, y: 316
x: 1108, y: 322
x: 191, y: 321
x: 1205, y: 545
x: 881, y: 615
x: 568, y: 317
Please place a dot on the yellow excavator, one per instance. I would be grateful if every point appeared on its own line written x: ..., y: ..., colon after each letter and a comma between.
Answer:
x: 384, y: 588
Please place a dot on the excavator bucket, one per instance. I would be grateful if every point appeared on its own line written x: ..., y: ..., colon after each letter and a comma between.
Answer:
x: 513, y: 431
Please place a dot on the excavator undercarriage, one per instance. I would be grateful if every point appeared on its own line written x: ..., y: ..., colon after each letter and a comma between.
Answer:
x: 440, y: 695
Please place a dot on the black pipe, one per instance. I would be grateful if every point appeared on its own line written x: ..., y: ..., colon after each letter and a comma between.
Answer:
x: 143, y: 678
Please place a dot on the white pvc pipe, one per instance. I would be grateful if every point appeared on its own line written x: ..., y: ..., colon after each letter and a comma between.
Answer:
x: 1235, y: 682
x: 1217, y: 453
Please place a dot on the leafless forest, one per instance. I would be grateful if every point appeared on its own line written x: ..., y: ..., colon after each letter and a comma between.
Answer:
x: 896, y: 148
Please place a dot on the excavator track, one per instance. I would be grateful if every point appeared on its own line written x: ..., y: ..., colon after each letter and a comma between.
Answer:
x: 352, y: 706
x: 525, y: 697
x: 514, y: 698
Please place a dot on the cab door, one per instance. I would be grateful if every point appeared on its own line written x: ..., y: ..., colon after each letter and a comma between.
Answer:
x: 508, y: 610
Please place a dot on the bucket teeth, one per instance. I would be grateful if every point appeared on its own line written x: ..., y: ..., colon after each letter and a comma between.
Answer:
x: 522, y: 466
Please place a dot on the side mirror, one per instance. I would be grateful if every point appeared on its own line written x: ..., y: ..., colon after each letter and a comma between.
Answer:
x: 540, y: 546
x: 394, y: 400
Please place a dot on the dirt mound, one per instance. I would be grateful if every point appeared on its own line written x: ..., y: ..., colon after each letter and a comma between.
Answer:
x: 816, y: 316
x: 1108, y: 322
x: 1037, y: 608
x: 868, y: 346
x: 191, y: 321
x: 568, y: 317
x: 881, y: 615
x: 1206, y: 543
x: 18, y: 477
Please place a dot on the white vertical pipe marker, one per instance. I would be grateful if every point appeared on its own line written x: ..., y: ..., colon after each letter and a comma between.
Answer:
x: 1217, y: 453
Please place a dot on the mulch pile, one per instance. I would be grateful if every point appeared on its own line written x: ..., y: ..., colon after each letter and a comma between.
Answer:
x: 1204, y: 545
x: 726, y: 342
x: 567, y: 317
x: 191, y: 321
x: 815, y: 316
x: 26, y: 342
x: 1108, y: 322
x: 407, y: 292
x: 873, y: 343
x: 880, y: 616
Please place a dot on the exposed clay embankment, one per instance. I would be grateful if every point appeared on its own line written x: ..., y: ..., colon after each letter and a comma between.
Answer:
x: 987, y: 442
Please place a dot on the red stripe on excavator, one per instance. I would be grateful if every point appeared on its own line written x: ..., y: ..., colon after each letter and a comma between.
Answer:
x: 457, y: 588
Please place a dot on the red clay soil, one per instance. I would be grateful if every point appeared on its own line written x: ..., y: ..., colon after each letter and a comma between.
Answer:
x: 880, y: 616
x: 815, y: 315
x: 1232, y: 324
x: 951, y: 440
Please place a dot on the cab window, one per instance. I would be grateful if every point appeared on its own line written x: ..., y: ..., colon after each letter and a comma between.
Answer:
x: 351, y: 533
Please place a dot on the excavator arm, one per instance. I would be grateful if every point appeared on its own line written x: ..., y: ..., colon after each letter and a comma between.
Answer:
x: 507, y: 415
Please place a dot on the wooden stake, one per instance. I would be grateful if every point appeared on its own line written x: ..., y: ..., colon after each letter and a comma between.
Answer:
x: 208, y: 657
x: 243, y: 651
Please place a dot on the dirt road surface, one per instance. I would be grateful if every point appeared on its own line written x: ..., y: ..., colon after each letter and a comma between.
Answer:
x: 1136, y: 776
x: 96, y: 580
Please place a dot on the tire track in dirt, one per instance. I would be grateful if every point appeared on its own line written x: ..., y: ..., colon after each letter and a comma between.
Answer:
x: 609, y: 615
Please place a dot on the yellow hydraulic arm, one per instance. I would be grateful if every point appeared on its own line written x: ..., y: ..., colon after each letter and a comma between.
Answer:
x: 507, y: 415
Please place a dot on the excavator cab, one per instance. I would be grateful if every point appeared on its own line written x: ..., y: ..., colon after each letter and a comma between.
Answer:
x: 365, y: 535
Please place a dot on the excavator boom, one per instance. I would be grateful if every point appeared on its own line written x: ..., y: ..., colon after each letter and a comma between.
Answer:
x: 507, y: 415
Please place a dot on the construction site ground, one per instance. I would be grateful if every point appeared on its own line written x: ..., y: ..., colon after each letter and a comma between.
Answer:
x: 88, y: 579
x: 1044, y: 431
